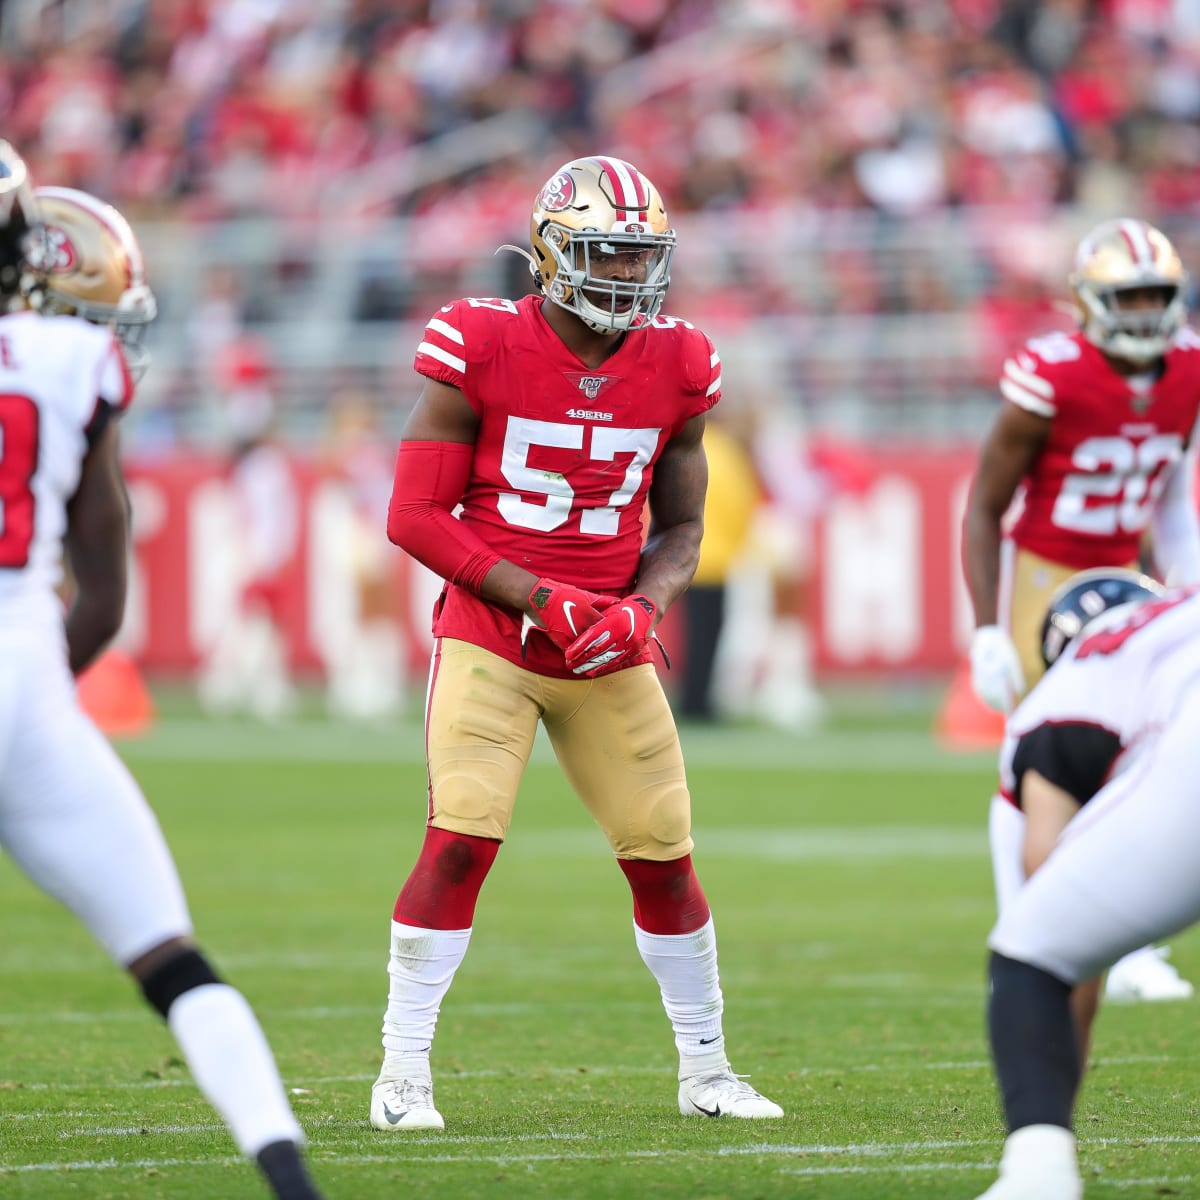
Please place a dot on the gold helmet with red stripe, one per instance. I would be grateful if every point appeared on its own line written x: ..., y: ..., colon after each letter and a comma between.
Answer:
x: 602, y: 243
x: 96, y: 269
x: 1120, y: 256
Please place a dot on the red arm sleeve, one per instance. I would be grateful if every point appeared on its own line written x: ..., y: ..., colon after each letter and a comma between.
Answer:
x: 430, y: 480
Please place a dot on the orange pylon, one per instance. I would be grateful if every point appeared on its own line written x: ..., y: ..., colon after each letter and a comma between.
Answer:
x: 113, y: 693
x: 964, y: 722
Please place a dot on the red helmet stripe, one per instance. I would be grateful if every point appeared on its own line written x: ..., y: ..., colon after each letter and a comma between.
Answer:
x: 630, y: 192
x: 1140, y: 249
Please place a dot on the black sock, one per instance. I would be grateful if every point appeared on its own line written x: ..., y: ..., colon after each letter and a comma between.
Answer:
x: 283, y: 1165
x: 1033, y: 1043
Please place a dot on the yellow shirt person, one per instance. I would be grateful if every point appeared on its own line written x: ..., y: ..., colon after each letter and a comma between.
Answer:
x: 733, y: 497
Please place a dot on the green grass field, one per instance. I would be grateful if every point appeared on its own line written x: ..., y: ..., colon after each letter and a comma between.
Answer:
x: 849, y: 880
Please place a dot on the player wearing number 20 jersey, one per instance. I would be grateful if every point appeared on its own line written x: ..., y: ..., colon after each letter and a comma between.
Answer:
x: 1095, y: 441
x: 553, y: 425
x: 565, y: 454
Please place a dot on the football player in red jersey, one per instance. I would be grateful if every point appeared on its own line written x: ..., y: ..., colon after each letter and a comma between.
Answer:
x: 556, y: 421
x: 71, y: 816
x: 1097, y: 434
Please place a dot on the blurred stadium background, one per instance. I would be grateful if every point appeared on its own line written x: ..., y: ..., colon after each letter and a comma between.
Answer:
x: 873, y: 200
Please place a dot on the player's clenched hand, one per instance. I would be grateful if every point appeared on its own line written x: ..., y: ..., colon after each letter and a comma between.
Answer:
x: 564, y: 611
x: 996, y: 673
x: 619, y: 634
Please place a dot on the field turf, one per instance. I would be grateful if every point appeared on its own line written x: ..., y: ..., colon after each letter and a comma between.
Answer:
x: 849, y: 881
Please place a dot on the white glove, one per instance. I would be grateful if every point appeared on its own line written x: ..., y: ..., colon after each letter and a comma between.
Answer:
x: 996, y: 673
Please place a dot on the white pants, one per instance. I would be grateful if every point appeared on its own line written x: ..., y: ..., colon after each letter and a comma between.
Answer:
x: 1126, y: 870
x: 71, y: 815
x: 1006, y: 837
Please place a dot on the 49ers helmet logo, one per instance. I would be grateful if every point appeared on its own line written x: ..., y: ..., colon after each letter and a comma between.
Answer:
x: 62, y: 249
x: 558, y: 193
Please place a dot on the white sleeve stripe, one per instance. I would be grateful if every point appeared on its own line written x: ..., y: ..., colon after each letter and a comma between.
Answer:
x: 715, y: 386
x: 1027, y: 400
x: 437, y: 325
x: 715, y: 360
x: 443, y: 356
x: 1027, y: 379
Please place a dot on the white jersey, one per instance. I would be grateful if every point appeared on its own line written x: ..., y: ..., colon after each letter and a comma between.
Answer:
x: 71, y: 816
x: 56, y: 374
x: 1125, y: 674
x: 1124, y: 871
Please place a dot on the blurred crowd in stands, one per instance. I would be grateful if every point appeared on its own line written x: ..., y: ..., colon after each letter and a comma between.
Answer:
x: 210, y: 108
x: 312, y: 177
x: 854, y: 158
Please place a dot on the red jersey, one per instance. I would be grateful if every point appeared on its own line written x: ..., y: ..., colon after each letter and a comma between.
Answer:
x: 565, y: 453
x: 1113, y: 443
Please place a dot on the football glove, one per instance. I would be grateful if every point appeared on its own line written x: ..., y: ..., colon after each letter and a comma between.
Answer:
x: 563, y: 611
x: 620, y: 633
x: 996, y: 673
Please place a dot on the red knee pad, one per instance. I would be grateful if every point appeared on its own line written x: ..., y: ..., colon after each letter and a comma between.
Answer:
x: 667, y: 897
x: 442, y: 888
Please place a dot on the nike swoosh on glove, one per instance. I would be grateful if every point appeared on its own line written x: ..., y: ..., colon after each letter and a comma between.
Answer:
x: 996, y: 673
x: 619, y: 634
x: 564, y: 611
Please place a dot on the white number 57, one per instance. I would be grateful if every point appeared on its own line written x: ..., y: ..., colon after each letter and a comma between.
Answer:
x: 554, y: 510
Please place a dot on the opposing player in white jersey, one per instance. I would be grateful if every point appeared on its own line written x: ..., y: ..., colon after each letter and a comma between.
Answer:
x: 1111, y: 727
x: 71, y: 816
x: 1065, y: 740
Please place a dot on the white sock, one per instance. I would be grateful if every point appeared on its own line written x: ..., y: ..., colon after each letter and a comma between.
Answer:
x: 421, y: 968
x: 227, y: 1052
x: 685, y: 965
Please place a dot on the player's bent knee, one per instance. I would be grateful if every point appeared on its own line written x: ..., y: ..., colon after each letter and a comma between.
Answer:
x: 662, y: 830
x: 669, y: 820
x: 166, y: 983
x: 486, y: 825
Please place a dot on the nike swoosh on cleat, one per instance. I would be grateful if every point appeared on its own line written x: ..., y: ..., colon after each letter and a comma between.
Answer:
x: 395, y: 1118
x: 715, y: 1111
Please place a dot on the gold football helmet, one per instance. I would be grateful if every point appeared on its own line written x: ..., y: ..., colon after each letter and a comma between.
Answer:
x: 602, y: 243
x: 1119, y: 256
x: 96, y: 270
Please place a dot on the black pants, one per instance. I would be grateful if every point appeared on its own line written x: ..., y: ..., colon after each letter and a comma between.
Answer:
x: 704, y: 614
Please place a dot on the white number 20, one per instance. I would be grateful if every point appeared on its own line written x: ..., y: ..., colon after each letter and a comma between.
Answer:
x: 1128, y: 475
x: 551, y: 512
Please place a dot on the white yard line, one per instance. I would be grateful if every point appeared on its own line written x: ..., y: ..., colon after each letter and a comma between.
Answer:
x: 738, y: 749
x: 583, y: 1071
x: 872, y: 1152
